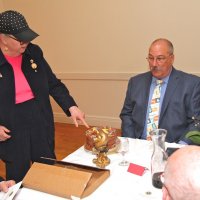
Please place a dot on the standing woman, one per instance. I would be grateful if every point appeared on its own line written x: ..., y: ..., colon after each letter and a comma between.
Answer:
x: 26, y: 81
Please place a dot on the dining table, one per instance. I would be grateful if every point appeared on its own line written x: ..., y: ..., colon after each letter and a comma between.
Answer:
x: 122, y: 183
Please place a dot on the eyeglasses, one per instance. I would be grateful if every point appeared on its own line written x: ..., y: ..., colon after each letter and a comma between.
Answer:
x: 21, y: 42
x: 159, y: 59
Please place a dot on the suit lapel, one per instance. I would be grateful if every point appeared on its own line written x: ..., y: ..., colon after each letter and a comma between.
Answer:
x: 170, y: 90
x: 144, y: 100
x: 147, y: 89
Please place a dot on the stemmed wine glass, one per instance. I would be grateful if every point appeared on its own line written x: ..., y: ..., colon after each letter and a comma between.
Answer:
x: 123, y: 149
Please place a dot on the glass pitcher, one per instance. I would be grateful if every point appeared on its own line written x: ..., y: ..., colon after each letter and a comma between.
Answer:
x: 159, y: 156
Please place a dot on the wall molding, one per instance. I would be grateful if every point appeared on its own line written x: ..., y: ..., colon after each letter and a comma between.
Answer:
x: 104, y: 76
x: 95, y: 76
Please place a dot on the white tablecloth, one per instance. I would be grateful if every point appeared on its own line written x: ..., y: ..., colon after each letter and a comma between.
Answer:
x: 121, y: 184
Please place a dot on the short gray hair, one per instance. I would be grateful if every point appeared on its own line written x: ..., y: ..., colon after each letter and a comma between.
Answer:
x: 169, y: 43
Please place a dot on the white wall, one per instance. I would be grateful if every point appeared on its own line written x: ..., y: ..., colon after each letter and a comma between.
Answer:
x: 94, y: 46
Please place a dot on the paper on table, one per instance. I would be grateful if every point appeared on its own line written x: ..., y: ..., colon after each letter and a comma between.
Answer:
x: 136, y: 169
x: 173, y: 145
x: 11, y: 192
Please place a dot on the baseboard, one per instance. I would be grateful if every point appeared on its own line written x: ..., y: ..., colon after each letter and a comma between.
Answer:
x: 91, y: 120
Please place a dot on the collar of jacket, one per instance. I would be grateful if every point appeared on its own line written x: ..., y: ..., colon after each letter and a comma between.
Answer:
x: 2, y: 59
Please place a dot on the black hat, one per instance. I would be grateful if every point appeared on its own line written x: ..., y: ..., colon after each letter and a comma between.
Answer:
x: 14, y: 23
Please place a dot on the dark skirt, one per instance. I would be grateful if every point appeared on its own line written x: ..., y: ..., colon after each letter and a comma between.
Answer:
x: 29, y: 140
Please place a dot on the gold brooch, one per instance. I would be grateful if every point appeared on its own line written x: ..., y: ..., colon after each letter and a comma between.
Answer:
x: 33, y: 65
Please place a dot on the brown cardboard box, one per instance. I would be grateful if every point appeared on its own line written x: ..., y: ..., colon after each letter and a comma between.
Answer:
x: 65, y: 180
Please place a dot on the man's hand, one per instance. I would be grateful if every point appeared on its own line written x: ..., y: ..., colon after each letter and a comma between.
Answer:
x: 4, y: 133
x: 77, y: 115
x: 4, y: 185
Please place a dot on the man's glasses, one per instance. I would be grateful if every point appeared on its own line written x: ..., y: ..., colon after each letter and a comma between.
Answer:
x: 21, y: 42
x: 159, y: 59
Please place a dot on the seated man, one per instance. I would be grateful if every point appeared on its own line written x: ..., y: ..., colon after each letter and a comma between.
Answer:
x: 4, y: 185
x: 182, y: 175
x: 164, y: 98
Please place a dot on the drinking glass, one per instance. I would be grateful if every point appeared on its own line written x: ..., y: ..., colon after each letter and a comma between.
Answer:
x: 123, y: 149
x: 159, y: 156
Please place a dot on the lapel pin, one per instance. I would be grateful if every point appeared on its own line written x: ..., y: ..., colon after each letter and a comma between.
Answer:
x: 33, y: 65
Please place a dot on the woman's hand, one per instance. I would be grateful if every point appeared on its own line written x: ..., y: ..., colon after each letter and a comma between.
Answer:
x: 4, y: 185
x: 77, y: 115
x: 4, y: 133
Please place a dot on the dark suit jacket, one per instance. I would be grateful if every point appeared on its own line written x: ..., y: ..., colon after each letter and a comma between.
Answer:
x: 181, y: 102
x: 43, y: 83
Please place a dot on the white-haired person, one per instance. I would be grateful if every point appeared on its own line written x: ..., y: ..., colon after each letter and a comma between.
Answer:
x: 182, y: 175
x: 26, y: 84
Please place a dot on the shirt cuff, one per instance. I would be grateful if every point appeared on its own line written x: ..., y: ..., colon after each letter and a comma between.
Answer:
x: 182, y: 142
x: 186, y: 141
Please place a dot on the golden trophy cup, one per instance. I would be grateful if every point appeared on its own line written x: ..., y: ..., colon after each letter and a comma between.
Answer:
x: 101, y: 147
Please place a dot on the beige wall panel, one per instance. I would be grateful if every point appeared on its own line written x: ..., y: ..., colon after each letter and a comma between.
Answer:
x: 1, y: 6
x: 83, y: 38
x: 112, y: 35
x: 100, y: 98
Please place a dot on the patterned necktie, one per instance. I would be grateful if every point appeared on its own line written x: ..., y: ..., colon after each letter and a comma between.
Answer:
x: 154, y: 107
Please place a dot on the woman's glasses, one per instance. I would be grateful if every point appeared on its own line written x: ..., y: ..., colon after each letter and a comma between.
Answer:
x: 21, y: 42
